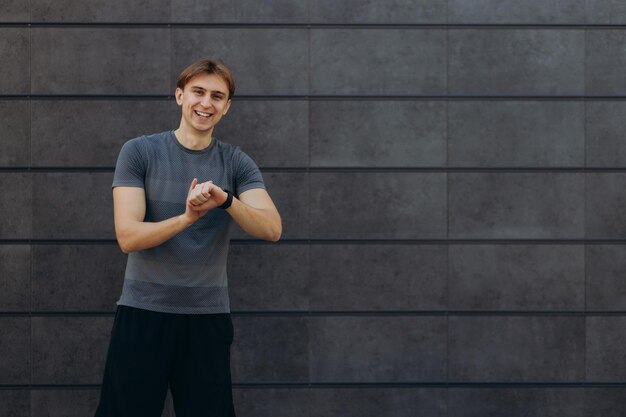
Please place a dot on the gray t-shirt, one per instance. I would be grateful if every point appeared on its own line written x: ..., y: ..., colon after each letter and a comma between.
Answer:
x: 187, y: 273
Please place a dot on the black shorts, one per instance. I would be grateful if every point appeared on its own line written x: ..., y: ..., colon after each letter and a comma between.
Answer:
x: 150, y: 351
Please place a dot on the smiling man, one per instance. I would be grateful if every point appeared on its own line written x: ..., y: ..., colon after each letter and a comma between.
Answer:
x: 175, y: 196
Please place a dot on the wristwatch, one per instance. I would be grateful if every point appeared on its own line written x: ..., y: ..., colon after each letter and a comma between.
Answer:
x: 228, y: 202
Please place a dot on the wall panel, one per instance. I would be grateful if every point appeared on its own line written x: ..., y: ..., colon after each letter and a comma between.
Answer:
x: 449, y: 176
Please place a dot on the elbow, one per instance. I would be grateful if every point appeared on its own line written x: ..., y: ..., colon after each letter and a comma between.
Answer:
x: 275, y: 237
x: 126, y: 249
x: 275, y: 233
x: 271, y: 232
x: 125, y: 244
x: 127, y: 237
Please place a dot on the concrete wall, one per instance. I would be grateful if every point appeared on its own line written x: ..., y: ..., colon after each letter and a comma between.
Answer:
x: 450, y: 174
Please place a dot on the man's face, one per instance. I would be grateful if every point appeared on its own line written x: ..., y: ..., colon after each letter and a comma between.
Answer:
x: 204, y: 101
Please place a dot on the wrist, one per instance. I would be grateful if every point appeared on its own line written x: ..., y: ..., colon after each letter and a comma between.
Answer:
x: 229, y: 200
x: 185, y: 220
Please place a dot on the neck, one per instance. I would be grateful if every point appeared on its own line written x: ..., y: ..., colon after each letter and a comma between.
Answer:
x: 193, y: 139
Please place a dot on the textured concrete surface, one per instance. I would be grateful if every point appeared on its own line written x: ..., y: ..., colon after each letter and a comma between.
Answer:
x: 15, y: 277
x: 63, y: 281
x: 100, y: 11
x: 270, y: 349
x: 375, y: 277
x: 372, y: 402
x: 516, y: 62
x: 516, y: 277
x: 522, y: 402
x: 378, y: 133
x: 605, y: 130
x: 605, y: 354
x: 414, y: 205
x: 516, y: 134
x: 15, y: 133
x: 16, y: 201
x: 14, y: 53
x: 516, y: 349
x: 388, y: 272
x: 268, y: 277
x: 263, y: 61
x: 377, y: 349
x: 605, y: 284
x: 605, y: 201
x: 14, y: 11
x: 378, y: 62
x: 516, y: 205
x: 240, y: 11
x: 15, y: 360
x: 101, y: 128
x: 605, y: 11
x: 604, y: 58
x: 69, y: 350
x: 262, y: 127
x: 514, y: 12
x: 73, y: 205
x: 117, y: 66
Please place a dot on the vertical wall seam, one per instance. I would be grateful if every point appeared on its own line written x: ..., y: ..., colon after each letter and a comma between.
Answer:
x: 309, y: 202
x: 169, y: 403
x: 32, y: 204
x: 171, y: 58
x: 447, y: 182
x: 585, y: 91
x: 31, y: 208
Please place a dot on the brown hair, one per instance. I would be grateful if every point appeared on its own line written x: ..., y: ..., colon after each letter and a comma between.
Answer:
x: 208, y: 66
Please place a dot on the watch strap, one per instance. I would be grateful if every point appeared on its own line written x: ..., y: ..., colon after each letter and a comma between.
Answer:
x: 228, y: 202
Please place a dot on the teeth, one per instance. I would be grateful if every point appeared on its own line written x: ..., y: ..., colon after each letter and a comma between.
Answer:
x: 199, y: 113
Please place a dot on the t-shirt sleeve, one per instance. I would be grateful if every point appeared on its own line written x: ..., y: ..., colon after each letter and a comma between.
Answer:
x: 247, y: 173
x: 130, y: 170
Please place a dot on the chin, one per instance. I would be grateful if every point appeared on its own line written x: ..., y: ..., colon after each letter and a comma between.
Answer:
x: 203, y: 129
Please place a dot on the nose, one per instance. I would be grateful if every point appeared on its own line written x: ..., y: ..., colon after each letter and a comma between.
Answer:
x: 206, y: 101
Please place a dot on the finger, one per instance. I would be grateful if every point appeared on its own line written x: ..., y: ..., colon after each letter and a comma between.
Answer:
x: 206, y: 188
x: 193, y: 184
x: 197, y: 199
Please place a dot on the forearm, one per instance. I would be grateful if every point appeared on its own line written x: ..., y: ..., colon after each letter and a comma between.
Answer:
x: 259, y: 223
x: 134, y: 236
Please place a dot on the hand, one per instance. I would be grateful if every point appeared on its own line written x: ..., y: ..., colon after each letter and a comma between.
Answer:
x: 199, y: 193
x: 206, y: 196
x: 191, y: 214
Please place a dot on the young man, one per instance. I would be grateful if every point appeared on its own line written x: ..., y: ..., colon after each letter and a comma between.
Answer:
x: 175, y: 195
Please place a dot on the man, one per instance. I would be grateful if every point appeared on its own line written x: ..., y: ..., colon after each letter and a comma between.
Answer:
x: 175, y: 195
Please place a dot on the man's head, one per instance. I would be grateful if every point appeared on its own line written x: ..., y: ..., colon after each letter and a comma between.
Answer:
x: 204, y: 91
x: 207, y: 66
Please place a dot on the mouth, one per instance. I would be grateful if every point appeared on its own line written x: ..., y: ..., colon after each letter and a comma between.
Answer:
x: 203, y: 115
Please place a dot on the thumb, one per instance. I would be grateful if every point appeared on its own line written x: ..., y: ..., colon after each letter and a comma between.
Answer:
x: 193, y: 184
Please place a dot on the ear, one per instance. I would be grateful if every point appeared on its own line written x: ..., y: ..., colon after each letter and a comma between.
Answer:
x: 179, y: 96
x: 227, y: 106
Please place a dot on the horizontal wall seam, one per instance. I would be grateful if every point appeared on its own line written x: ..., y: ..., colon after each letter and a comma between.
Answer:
x: 311, y: 25
x: 322, y: 97
x: 288, y: 241
x: 363, y: 385
x: 349, y: 313
x: 344, y: 169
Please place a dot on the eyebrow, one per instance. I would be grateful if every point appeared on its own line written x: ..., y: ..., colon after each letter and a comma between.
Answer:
x: 204, y: 89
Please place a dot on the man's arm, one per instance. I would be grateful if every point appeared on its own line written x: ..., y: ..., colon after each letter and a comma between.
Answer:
x: 133, y: 234
x: 254, y: 210
x: 257, y: 215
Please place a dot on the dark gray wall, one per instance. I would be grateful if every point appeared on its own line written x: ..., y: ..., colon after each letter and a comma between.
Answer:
x: 451, y: 176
